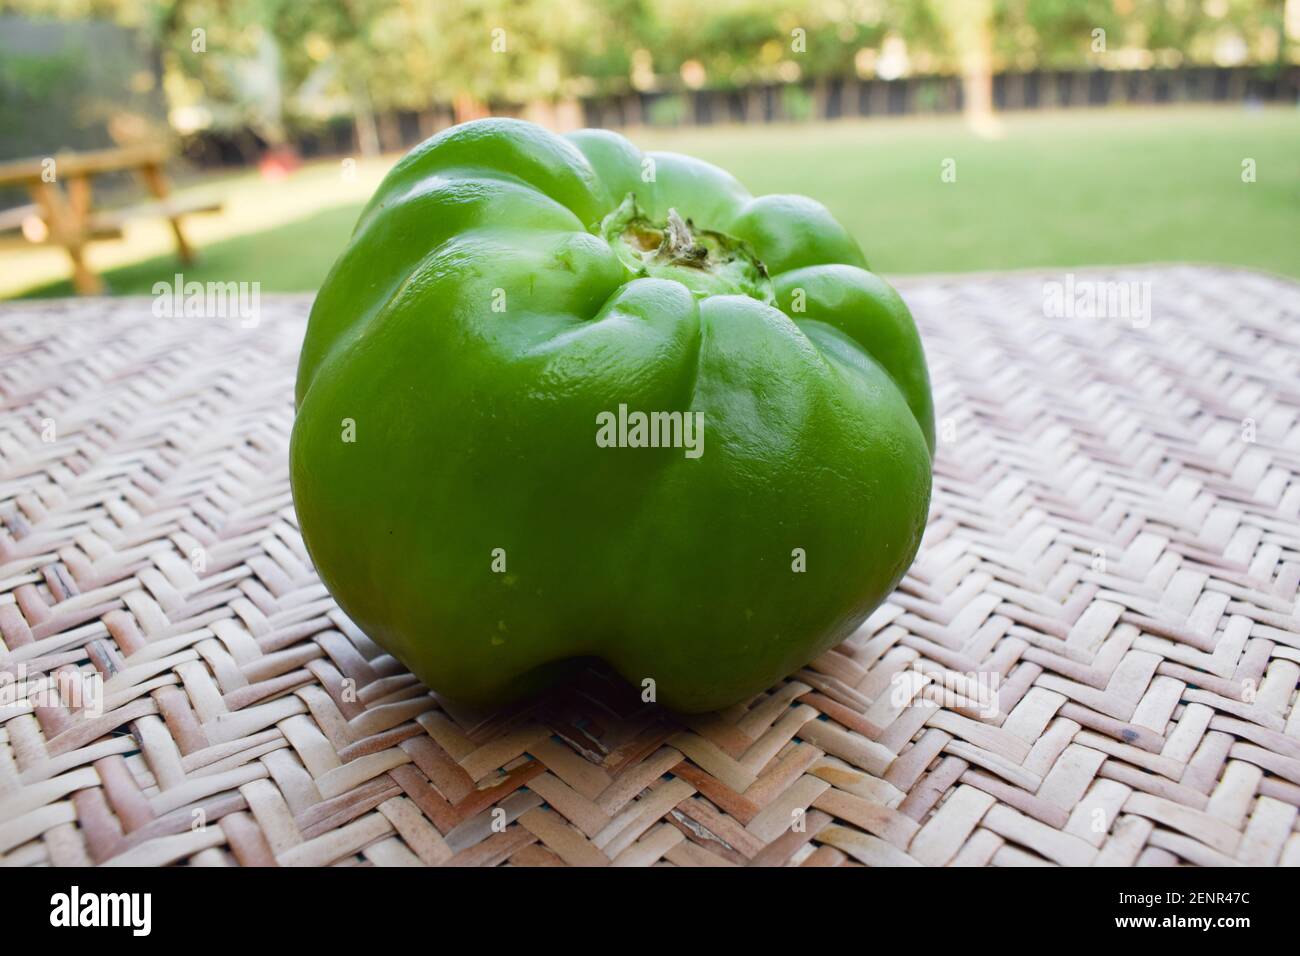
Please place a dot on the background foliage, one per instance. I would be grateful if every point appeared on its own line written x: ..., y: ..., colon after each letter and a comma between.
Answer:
x: 276, y: 66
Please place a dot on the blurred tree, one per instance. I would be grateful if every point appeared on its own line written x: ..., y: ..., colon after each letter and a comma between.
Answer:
x: 1059, y: 34
x: 276, y: 66
x: 1053, y: 33
x: 969, y: 24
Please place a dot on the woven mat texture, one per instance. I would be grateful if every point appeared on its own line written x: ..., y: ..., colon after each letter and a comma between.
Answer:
x: 1115, y: 537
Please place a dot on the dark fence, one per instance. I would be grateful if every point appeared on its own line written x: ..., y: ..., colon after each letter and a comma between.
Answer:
x: 840, y: 98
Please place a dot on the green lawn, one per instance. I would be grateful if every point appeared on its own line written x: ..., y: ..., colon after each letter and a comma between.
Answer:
x: 1057, y: 189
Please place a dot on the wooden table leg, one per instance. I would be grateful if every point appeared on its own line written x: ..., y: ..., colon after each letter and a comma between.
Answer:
x: 79, y: 201
x: 156, y: 181
x: 68, y: 227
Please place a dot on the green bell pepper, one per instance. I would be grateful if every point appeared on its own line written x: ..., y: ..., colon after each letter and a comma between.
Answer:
x: 559, y: 399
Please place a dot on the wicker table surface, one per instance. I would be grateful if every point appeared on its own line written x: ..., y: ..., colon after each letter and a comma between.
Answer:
x: 1113, y: 559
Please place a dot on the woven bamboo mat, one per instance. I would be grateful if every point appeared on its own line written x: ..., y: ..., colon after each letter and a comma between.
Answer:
x: 1113, y: 555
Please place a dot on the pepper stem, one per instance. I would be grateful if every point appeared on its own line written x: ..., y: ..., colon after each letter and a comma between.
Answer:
x: 678, y: 244
x: 706, y: 262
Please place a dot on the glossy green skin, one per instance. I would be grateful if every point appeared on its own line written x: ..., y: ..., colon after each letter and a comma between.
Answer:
x: 475, y: 429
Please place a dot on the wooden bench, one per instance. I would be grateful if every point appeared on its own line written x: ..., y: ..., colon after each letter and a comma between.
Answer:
x: 67, y: 214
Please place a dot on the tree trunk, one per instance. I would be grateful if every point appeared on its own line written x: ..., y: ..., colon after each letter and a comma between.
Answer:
x: 821, y: 98
x: 879, y: 97
x: 632, y: 110
x: 429, y: 122
x: 390, y: 132
x: 466, y: 107
x: 971, y: 24
x: 367, y: 131
x: 851, y: 99
x: 977, y: 85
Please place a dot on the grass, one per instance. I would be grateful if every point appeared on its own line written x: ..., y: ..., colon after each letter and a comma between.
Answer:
x: 1055, y: 189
